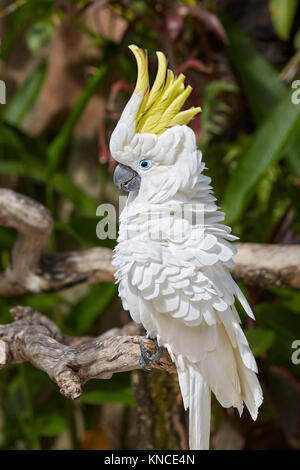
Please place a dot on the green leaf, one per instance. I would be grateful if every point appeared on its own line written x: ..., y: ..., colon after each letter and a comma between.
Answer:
x: 85, y: 229
x: 116, y: 389
x: 7, y: 237
x: 85, y: 312
x: 293, y: 153
x: 18, y: 20
x: 51, y: 424
x: 21, y: 169
x: 65, y: 227
x: 259, y: 340
x: 283, y: 389
x: 288, y: 298
x: 95, y: 397
x: 260, y: 82
x: 59, y: 144
x: 214, y: 111
x: 2, y: 438
x: 42, y: 302
x: 282, y: 14
x: 297, y: 40
x: 23, y: 144
x: 64, y: 185
x: 26, y: 95
x: 265, y: 148
x: 285, y: 325
x: 38, y: 34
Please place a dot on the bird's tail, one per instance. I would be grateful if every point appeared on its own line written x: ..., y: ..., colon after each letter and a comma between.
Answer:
x: 196, y: 396
x: 199, y: 414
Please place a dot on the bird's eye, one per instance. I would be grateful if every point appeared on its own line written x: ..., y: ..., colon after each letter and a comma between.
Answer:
x: 145, y: 164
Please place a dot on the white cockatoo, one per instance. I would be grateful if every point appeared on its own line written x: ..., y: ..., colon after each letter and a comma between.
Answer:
x: 174, y: 254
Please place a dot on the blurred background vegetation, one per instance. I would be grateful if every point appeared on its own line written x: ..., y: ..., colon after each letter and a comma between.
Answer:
x: 68, y: 74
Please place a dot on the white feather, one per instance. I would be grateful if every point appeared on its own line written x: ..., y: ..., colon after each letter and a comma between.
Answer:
x: 180, y: 288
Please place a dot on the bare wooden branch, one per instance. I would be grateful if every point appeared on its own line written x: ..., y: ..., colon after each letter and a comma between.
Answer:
x: 32, y: 270
x: 71, y: 362
x: 34, y: 224
x: 268, y: 265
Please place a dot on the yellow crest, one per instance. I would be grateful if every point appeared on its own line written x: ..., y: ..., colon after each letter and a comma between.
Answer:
x: 160, y: 108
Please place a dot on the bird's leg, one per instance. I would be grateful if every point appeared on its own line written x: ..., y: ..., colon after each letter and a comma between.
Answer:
x: 158, y: 353
x: 145, y: 355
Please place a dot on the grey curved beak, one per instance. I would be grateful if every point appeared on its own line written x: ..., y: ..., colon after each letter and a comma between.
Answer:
x: 126, y: 178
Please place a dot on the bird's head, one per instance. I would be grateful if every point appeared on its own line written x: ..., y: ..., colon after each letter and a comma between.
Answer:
x: 151, y: 141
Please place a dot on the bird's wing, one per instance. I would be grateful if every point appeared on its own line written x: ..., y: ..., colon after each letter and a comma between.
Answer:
x: 186, y: 296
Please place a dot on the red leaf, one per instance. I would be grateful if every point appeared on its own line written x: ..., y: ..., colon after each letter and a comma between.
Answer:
x: 174, y: 26
x: 193, y: 64
x: 207, y: 18
x: 114, y: 91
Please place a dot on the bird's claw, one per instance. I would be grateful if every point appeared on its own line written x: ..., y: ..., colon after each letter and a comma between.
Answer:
x: 143, y: 364
x: 147, y: 357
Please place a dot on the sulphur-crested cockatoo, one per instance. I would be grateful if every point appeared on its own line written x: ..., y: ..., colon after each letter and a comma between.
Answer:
x: 173, y: 254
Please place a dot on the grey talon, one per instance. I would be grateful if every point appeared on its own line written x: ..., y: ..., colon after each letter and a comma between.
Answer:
x: 145, y: 355
x: 158, y: 353
x: 143, y: 364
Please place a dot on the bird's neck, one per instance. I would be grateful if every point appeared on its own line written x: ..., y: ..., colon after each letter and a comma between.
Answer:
x: 172, y: 215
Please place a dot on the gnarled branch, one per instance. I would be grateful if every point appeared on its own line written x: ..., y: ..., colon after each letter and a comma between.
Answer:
x: 32, y: 270
x: 71, y: 362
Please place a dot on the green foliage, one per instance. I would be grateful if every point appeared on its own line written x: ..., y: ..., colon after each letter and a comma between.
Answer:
x: 67, y: 188
x: 214, y: 110
x: 51, y: 424
x: 19, y: 19
x: 26, y: 95
x: 87, y: 310
x: 264, y: 92
x: 259, y: 80
x: 39, y: 34
x: 60, y: 142
x: 285, y: 324
x: 283, y: 13
x: 250, y: 140
x: 284, y: 394
x: 265, y: 148
x: 259, y: 340
x: 115, y: 390
x: 261, y: 83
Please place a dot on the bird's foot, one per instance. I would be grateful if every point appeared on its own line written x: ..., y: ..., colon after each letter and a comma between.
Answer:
x: 147, y: 357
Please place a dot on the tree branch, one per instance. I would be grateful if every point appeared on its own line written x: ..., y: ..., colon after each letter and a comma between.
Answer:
x: 267, y: 265
x: 71, y: 362
x: 32, y: 270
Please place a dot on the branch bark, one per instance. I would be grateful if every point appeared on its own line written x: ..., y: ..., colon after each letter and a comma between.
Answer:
x: 71, y: 362
x: 33, y: 270
x: 267, y: 265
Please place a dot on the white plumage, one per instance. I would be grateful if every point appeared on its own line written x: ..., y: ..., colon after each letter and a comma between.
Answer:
x: 173, y: 271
